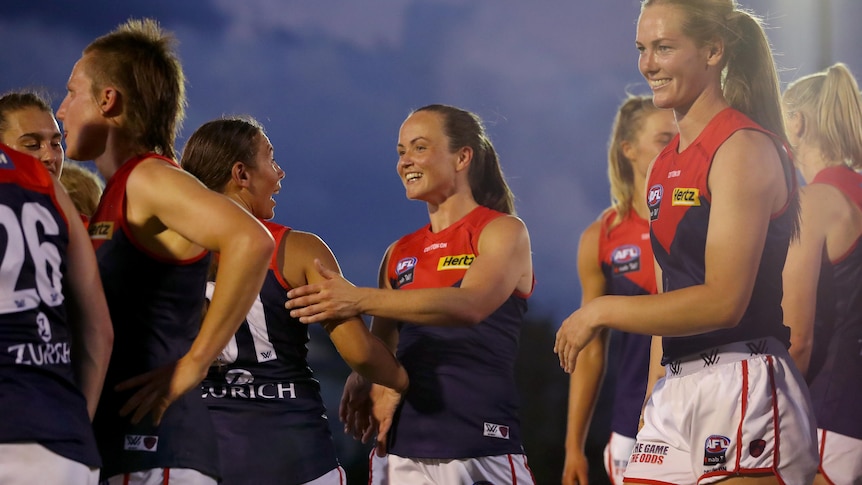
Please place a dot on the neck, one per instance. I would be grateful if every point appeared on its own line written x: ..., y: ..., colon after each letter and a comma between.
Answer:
x: 693, y: 118
x: 811, y: 161
x: 118, y: 150
x: 450, y: 211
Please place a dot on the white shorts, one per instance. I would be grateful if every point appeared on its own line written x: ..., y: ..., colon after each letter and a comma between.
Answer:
x: 162, y: 476
x: 617, y: 453
x: 727, y: 412
x: 29, y: 463
x: 840, y: 457
x: 486, y: 470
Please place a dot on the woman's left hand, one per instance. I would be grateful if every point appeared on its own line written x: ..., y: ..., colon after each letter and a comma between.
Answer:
x: 574, y: 334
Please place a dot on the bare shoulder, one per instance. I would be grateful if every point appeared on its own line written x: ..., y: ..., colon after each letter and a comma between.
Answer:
x: 305, y: 243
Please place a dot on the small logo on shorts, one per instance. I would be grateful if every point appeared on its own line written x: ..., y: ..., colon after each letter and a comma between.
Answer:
x: 756, y: 448
x: 710, y: 358
x: 758, y: 347
x: 136, y: 442
x: 715, y: 449
x: 496, y: 431
x: 675, y: 367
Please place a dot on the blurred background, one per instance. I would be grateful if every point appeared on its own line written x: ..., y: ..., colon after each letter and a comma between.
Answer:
x: 332, y: 80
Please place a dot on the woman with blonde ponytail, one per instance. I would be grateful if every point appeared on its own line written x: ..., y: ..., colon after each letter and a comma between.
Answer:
x: 822, y: 290
x: 725, y: 403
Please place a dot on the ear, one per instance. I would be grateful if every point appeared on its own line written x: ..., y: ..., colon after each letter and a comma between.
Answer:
x: 465, y: 156
x: 239, y: 175
x: 715, y: 53
x: 628, y: 151
x: 110, y: 102
x: 795, y: 124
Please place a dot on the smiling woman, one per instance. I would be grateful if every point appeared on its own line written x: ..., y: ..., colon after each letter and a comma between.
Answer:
x: 27, y: 124
x: 723, y: 207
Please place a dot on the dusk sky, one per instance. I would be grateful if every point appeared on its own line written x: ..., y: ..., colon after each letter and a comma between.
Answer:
x: 333, y: 80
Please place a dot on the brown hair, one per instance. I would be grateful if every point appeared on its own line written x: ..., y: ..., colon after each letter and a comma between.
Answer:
x: 212, y: 150
x: 138, y: 58
x: 18, y: 100
x: 465, y: 129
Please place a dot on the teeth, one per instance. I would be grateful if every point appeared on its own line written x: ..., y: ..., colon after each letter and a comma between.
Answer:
x: 413, y: 176
x: 658, y: 82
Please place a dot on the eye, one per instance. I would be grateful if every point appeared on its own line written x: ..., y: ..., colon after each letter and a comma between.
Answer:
x: 420, y: 148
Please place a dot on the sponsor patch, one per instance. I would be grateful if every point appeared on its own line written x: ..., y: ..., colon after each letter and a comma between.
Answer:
x: 137, y: 442
x: 6, y: 162
x: 101, y: 230
x: 435, y: 246
x: 689, y: 197
x: 648, y: 453
x: 404, y: 271
x: 456, y: 261
x: 496, y: 431
x: 654, y: 200
x: 626, y: 259
x: 715, y: 450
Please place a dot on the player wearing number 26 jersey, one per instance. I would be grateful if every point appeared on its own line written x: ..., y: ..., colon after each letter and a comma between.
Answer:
x: 43, y: 388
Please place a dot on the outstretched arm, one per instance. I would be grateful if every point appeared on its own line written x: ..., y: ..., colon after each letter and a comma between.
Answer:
x: 303, y: 253
x: 87, y: 310
x: 503, y: 265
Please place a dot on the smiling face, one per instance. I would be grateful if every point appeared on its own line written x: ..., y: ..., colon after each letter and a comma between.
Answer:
x: 84, y: 125
x: 35, y: 132
x: 264, y: 180
x: 428, y: 169
x: 673, y: 64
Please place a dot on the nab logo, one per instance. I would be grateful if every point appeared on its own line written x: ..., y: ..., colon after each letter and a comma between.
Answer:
x: 685, y: 197
x: 405, y: 264
x: 715, y: 449
x: 238, y: 377
x: 626, y: 259
x: 496, y: 431
x: 101, y: 230
x: 460, y: 261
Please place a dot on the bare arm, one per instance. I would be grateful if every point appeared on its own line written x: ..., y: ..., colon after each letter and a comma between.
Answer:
x: 589, y: 370
x: 172, y: 211
x: 363, y: 352
x: 732, y: 256
x: 89, y: 319
x: 503, y: 265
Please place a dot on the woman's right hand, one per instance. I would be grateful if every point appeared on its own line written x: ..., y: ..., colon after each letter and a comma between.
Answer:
x: 355, y: 410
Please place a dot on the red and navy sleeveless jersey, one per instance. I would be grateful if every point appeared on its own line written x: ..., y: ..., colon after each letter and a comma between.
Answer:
x: 836, y: 361
x: 462, y: 401
x: 679, y: 201
x: 626, y: 259
x: 263, y: 387
x: 155, y: 305
x: 40, y: 398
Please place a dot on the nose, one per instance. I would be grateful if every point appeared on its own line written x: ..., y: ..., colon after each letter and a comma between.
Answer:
x: 51, y: 156
x: 646, y: 62
x: 61, y: 111
x: 279, y: 171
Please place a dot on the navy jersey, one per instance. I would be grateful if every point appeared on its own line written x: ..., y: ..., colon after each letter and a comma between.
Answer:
x: 262, y: 396
x: 462, y: 401
x: 626, y: 259
x: 834, y: 378
x: 155, y: 307
x: 40, y: 399
x: 679, y: 201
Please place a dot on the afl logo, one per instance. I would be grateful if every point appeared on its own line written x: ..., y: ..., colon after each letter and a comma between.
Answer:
x: 715, y: 450
x: 624, y: 254
x: 654, y: 195
x: 405, y: 265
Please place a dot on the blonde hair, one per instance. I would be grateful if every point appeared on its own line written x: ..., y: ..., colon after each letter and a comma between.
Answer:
x: 628, y: 123
x: 830, y: 102
x: 83, y: 185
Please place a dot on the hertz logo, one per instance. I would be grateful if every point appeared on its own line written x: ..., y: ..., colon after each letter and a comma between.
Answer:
x: 101, y: 230
x: 687, y: 197
x: 460, y: 261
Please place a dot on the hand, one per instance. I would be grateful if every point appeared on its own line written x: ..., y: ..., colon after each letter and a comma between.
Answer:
x: 331, y: 300
x: 355, y: 410
x: 159, y: 388
x: 386, y: 401
x: 576, y: 469
x: 574, y: 334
